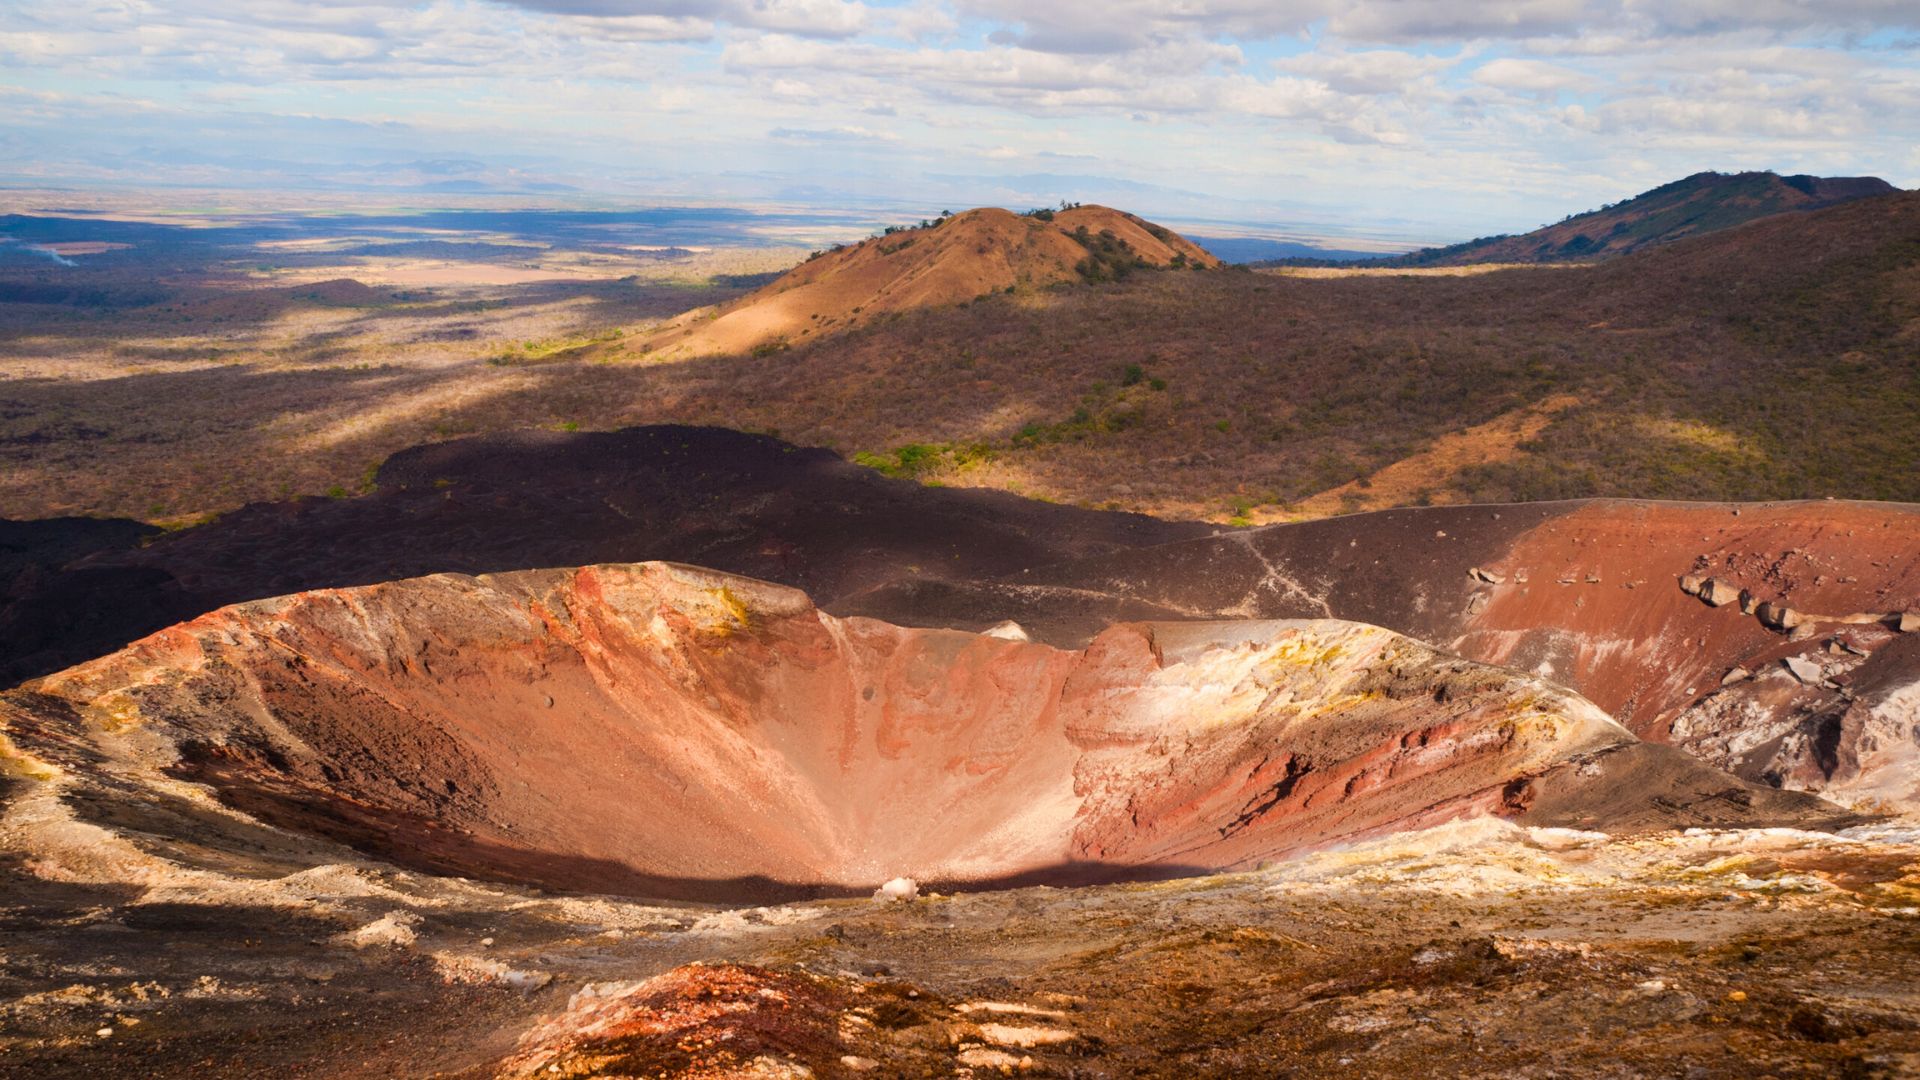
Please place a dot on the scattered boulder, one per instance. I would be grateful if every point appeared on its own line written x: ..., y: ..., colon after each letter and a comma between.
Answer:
x: 1690, y: 584
x: 1738, y: 674
x: 1747, y: 602
x: 395, y: 929
x: 1487, y: 576
x: 1718, y: 593
x: 900, y: 888
x: 1908, y: 623
x: 1778, y: 616
x: 1803, y: 669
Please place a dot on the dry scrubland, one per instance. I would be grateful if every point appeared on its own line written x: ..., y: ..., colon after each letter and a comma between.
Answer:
x: 297, y: 380
x: 1772, y: 360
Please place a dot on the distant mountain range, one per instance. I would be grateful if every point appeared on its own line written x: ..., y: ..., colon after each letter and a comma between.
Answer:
x: 1702, y: 203
x: 1246, y: 249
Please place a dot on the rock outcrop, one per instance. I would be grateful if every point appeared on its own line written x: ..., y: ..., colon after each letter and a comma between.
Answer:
x: 1585, y: 602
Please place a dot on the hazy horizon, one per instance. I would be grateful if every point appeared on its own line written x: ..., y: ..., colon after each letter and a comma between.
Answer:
x: 1388, y: 122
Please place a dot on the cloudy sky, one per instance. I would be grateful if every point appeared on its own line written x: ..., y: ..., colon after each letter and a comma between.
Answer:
x: 1431, y: 119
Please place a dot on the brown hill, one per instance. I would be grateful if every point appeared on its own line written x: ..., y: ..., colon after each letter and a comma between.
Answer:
x: 1771, y: 361
x: 950, y: 261
x: 1699, y: 204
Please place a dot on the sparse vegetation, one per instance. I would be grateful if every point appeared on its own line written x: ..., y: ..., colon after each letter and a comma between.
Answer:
x: 1800, y: 383
x: 552, y: 350
x: 922, y: 461
x: 1109, y: 258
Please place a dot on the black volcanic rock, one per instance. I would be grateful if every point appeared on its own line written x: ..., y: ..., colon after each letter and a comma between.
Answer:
x: 746, y: 504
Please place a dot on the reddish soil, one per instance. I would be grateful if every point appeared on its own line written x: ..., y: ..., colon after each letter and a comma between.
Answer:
x: 1600, y: 608
x: 670, y: 732
x: 1624, y: 634
x: 695, y: 1023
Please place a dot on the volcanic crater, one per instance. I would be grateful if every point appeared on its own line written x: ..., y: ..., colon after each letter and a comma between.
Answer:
x: 665, y: 731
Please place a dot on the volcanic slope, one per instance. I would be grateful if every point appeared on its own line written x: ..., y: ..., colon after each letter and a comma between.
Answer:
x: 1699, y: 204
x: 1771, y: 361
x: 1765, y: 638
x: 952, y: 260
x: 74, y: 589
x: 670, y: 732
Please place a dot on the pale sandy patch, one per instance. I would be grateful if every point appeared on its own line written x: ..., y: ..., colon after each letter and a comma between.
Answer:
x: 1401, y: 483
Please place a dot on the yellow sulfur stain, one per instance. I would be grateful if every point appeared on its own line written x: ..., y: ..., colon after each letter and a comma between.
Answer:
x: 732, y: 615
x: 17, y: 764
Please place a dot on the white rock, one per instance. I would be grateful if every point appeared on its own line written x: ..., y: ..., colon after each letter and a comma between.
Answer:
x: 395, y: 929
x: 900, y: 888
x: 981, y: 1057
x: 1805, y: 670
x: 1718, y: 593
x: 1026, y: 1038
x: 1008, y: 631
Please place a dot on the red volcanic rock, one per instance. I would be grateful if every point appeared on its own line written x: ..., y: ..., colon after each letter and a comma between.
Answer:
x: 1583, y: 604
x: 1646, y: 654
x: 698, y: 1022
x: 662, y: 730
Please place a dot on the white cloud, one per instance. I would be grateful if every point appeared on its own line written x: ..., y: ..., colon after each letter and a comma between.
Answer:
x: 1121, y: 25
x: 849, y: 133
x: 1530, y: 76
x: 1374, y: 71
x: 811, y: 18
x: 1473, y: 98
